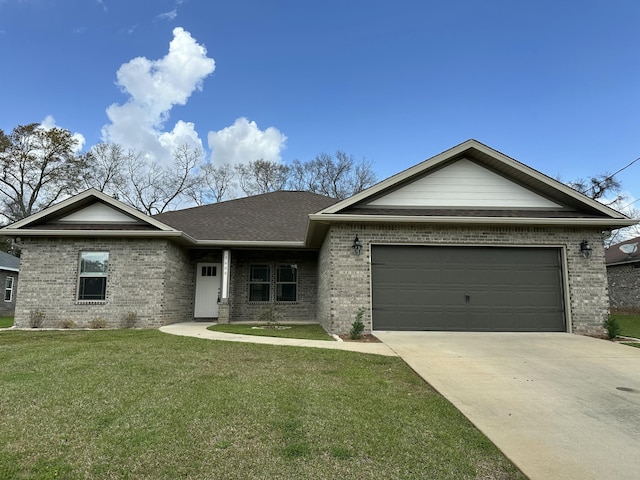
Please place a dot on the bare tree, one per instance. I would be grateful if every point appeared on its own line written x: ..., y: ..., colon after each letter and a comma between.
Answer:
x: 599, y: 187
x: 338, y: 176
x: 153, y: 188
x: 38, y: 167
x: 107, y: 166
x: 262, y: 176
x: 215, y: 184
x: 606, y: 189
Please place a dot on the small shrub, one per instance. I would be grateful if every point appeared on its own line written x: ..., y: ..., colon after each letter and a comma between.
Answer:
x: 129, y: 319
x: 67, y: 323
x: 613, y: 328
x: 36, y: 318
x: 270, y: 315
x: 98, y: 323
x: 357, y: 327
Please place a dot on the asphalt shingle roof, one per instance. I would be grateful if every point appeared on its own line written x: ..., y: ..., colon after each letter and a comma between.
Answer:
x: 9, y: 261
x: 614, y: 255
x: 276, y: 216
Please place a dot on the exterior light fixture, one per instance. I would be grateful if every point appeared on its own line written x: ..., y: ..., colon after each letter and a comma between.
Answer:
x: 357, y: 246
x: 585, y: 248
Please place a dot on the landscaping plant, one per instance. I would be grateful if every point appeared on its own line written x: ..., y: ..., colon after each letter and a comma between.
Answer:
x: 612, y: 326
x: 357, y: 327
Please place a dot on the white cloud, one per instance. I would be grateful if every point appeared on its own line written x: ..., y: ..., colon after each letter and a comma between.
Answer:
x: 49, y: 122
x: 155, y: 87
x: 169, y: 15
x: 243, y: 142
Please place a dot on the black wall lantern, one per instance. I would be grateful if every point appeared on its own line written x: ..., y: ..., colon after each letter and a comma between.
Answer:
x: 585, y: 248
x: 357, y: 246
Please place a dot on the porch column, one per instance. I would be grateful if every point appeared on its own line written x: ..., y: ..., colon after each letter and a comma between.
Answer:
x: 224, y: 308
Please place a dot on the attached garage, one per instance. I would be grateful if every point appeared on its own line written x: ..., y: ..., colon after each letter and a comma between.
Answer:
x: 464, y: 288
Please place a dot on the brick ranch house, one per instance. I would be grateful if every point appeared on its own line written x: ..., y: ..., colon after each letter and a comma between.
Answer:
x: 470, y: 239
x: 623, y: 272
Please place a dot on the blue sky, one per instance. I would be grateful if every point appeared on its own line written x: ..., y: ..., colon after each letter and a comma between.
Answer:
x: 553, y: 84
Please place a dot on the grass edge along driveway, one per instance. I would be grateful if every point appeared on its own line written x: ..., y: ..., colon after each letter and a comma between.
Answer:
x: 146, y: 405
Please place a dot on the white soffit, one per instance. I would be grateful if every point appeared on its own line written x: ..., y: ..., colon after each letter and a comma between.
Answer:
x: 98, y: 213
x: 464, y: 184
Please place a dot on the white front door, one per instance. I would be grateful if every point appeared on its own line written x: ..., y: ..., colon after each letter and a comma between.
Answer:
x: 207, y: 290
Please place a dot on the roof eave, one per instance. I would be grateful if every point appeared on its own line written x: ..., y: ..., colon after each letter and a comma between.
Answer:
x: 445, y: 156
x: 19, y: 232
x: 10, y: 269
x: 592, y: 222
x: 249, y: 244
x: 624, y: 262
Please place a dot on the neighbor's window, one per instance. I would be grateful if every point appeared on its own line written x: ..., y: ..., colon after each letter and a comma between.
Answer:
x: 286, y: 283
x: 8, y: 289
x: 260, y: 283
x: 92, y: 284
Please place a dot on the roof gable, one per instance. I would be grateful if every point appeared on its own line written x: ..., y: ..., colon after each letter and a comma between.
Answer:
x: 462, y: 184
x: 98, y: 212
x: 90, y: 210
x: 516, y: 176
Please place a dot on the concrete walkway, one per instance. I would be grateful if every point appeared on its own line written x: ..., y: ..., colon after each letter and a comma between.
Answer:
x: 560, y: 406
x: 199, y: 330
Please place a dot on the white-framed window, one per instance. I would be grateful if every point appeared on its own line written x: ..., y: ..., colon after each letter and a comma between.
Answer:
x: 259, y: 283
x: 8, y: 289
x: 92, y: 277
x: 286, y: 283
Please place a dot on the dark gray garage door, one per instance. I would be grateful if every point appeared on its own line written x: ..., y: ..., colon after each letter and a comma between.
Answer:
x: 467, y: 288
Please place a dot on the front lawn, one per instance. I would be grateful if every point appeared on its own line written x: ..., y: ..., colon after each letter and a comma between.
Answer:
x: 307, y: 332
x: 630, y: 325
x: 6, y: 322
x: 146, y: 405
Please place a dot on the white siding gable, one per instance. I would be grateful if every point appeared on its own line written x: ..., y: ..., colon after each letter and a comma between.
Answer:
x: 98, y: 213
x: 464, y: 184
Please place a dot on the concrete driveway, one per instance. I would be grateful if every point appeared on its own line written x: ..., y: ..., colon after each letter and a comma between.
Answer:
x: 560, y: 406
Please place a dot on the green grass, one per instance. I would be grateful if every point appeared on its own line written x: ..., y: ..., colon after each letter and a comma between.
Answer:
x: 6, y: 322
x: 630, y: 325
x: 307, y: 332
x: 142, y: 404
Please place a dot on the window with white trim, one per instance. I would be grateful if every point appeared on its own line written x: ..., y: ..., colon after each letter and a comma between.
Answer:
x: 8, y: 289
x: 259, y: 283
x: 286, y: 283
x: 92, y: 277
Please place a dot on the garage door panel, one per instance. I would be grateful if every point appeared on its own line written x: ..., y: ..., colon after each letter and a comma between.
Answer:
x: 467, y: 288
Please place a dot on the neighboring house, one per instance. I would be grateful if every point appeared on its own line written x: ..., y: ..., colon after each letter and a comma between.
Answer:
x: 9, y: 269
x: 623, y: 272
x: 468, y: 240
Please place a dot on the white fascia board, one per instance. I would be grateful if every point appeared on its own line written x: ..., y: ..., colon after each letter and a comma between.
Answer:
x: 594, y: 222
x: 18, y: 232
x: 9, y: 269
